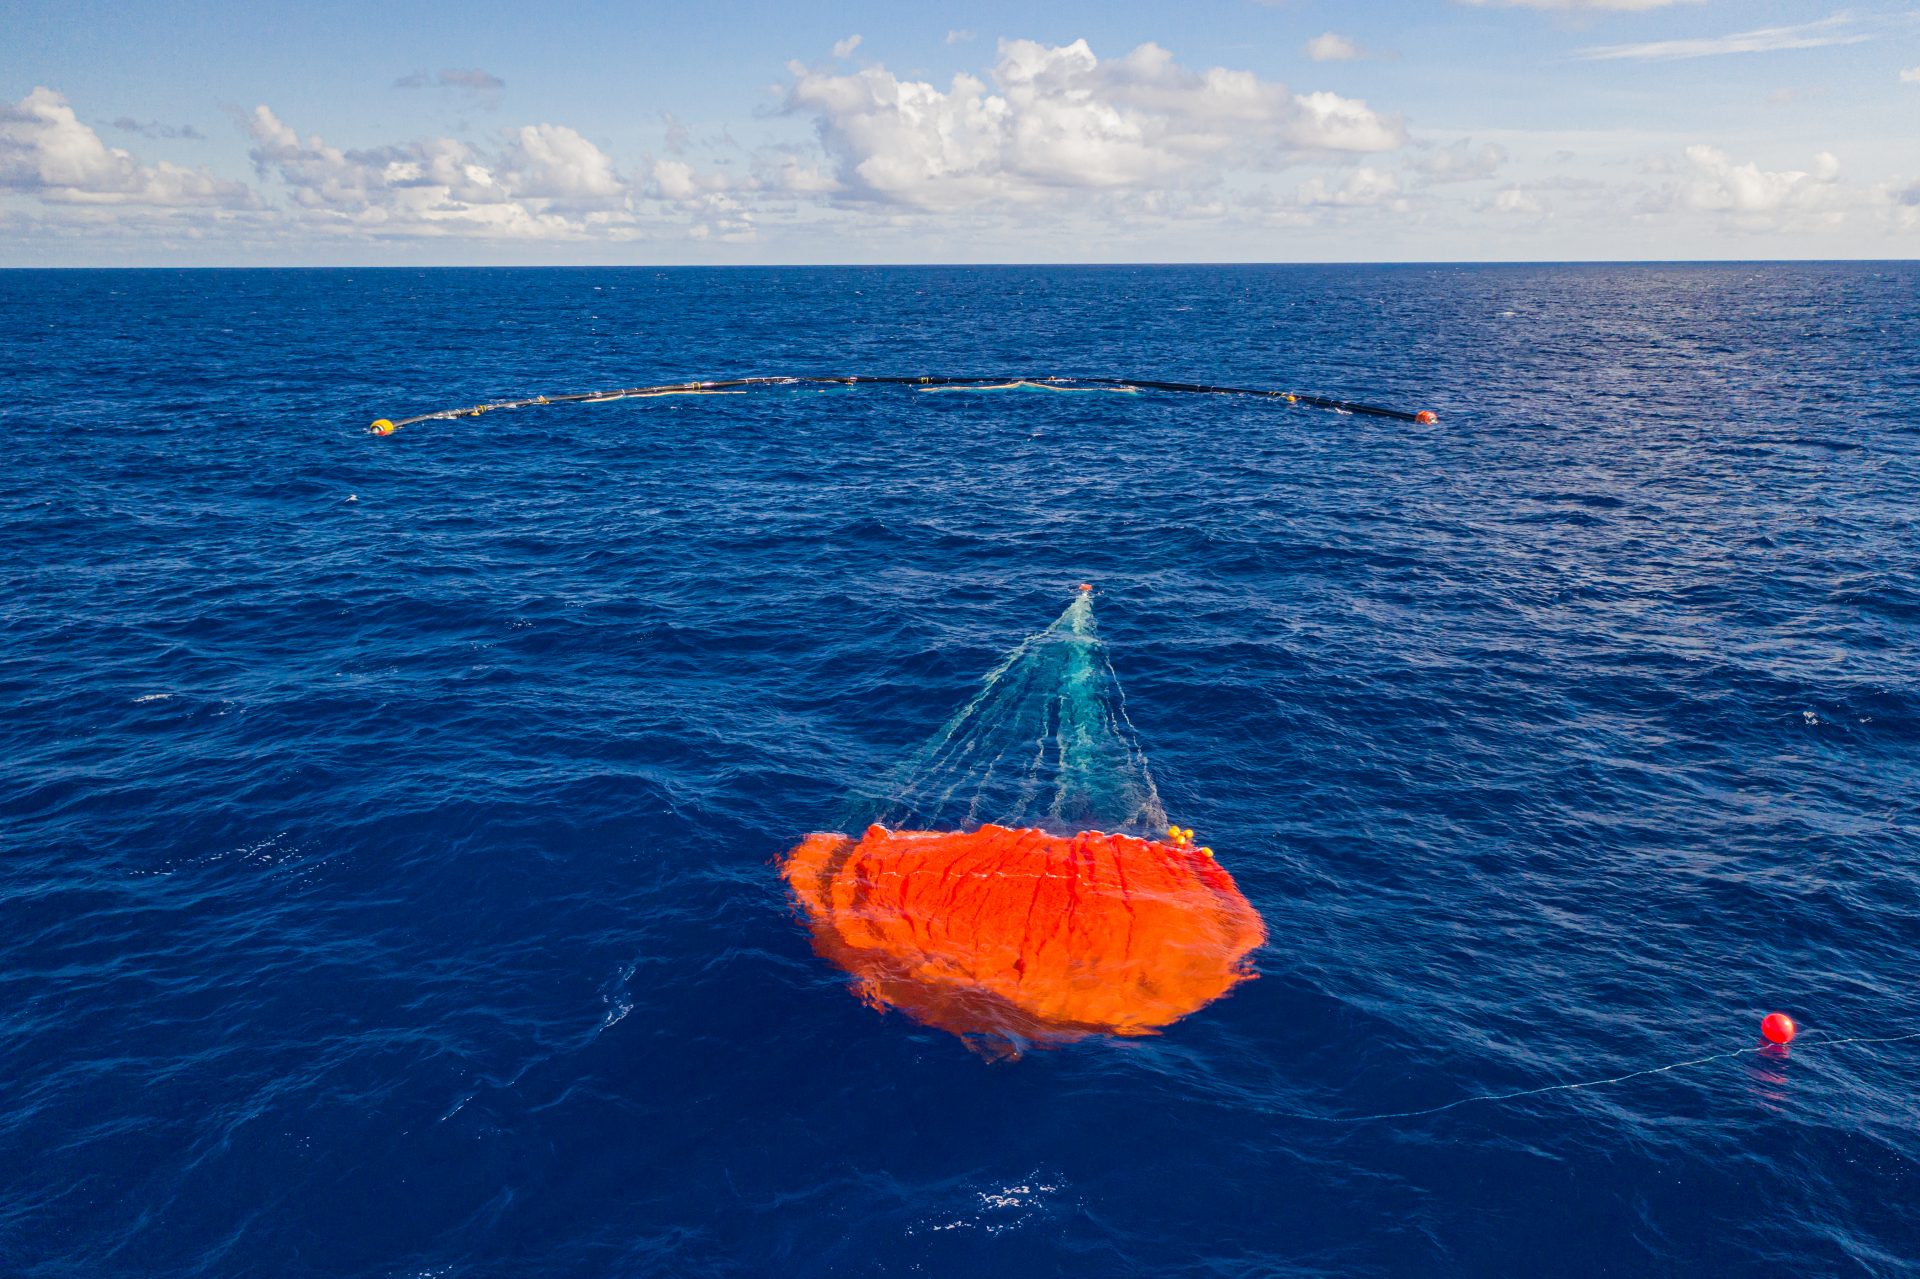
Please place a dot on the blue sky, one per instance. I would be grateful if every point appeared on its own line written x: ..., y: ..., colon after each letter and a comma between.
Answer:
x: 1218, y: 130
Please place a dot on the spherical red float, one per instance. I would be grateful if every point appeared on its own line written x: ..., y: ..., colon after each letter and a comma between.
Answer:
x: 1778, y: 1028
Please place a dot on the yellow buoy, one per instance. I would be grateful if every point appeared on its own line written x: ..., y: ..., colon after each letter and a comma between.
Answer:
x: 382, y: 427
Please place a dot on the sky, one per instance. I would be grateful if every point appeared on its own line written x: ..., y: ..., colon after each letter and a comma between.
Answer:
x: 208, y: 132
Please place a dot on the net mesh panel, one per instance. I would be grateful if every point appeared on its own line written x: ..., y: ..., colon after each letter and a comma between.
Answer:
x: 1045, y: 743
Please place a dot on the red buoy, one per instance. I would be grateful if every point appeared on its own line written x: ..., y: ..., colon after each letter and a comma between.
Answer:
x: 1778, y: 1027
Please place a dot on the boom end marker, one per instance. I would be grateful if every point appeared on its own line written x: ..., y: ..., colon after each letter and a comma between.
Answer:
x: 1426, y: 417
x: 381, y: 426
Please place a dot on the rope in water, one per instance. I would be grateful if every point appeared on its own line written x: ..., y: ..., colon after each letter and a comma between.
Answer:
x: 736, y: 386
x: 1489, y: 1098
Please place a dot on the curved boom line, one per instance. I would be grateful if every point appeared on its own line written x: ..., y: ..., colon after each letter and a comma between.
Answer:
x: 385, y: 426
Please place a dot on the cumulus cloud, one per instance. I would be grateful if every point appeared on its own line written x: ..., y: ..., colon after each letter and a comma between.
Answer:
x: 709, y: 197
x: 1331, y: 46
x: 1362, y: 188
x: 1046, y: 141
x: 1806, y: 35
x: 543, y: 181
x: 434, y: 186
x: 1518, y: 201
x: 1715, y: 183
x: 46, y: 152
x: 1460, y: 161
x: 844, y: 48
x: 553, y: 162
x: 1046, y: 130
x: 1055, y: 119
x: 785, y: 171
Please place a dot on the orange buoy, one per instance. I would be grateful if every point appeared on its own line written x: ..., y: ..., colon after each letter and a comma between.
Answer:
x: 1024, y: 936
x: 1426, y: 417
x: 1778, y: 1028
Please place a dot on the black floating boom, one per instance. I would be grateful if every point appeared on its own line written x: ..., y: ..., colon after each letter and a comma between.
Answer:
x: 736, y: 386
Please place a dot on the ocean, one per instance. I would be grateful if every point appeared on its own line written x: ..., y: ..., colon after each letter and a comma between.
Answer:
x: 389, y: 825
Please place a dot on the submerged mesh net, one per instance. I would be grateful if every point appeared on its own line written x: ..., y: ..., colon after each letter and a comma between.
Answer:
x: 1045, y: 742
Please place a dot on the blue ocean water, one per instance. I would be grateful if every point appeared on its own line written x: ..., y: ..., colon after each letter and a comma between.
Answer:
x: 388, y: 823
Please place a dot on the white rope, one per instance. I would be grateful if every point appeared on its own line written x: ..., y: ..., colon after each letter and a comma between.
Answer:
x: 1591, y: 1083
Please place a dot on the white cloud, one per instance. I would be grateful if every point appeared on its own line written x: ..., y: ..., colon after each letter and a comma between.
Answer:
x: 1910, y: 76
x: 554, y: 162
x: 1716, y: 184
x: 1460, y: 161
x: 438, y: 180
x: 535, y: 182
x: 959, y: 36
x: 844, y: 48
x: 1362, y: 188
x: 711, y: 200
x: 1517, y: 200
x: 545, y: 181
x: 1058, y: 118
x: 1048, y: 150
x: 1331, y: 46
x: 46, y: 152
x: 781, y: 171
x: 1333, y: 123
x: 1806, y: 35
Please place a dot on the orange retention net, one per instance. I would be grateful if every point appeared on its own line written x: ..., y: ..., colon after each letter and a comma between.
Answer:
x: 1025, y: 936
x: 1021, y: 934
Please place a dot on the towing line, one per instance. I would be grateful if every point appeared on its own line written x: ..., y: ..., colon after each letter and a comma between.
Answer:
x: 736, y: 386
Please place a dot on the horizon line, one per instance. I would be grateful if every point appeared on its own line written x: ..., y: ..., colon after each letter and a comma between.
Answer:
x: 851, y: 266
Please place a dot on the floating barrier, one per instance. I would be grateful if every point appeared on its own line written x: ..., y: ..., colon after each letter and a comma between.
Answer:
x: 744, y: 385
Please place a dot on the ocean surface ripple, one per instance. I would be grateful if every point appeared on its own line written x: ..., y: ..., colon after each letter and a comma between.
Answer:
x: 388, y: 823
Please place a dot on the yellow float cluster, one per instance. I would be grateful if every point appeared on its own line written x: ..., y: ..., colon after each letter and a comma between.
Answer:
x: 1182, y: 837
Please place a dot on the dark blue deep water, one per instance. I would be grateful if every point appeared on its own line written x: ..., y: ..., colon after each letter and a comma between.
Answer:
x: 388, y: 823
